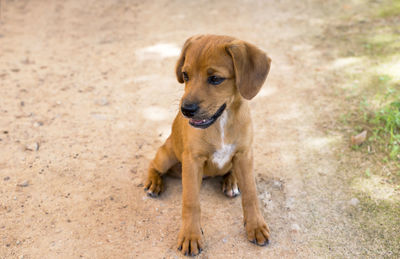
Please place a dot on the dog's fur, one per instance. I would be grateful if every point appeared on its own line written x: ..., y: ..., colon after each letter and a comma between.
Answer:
x: 224, y: 147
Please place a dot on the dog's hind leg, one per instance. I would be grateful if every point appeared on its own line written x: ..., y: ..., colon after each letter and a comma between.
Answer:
x: 163, y: 161
x: 176, y: 170
x: 229, y: 185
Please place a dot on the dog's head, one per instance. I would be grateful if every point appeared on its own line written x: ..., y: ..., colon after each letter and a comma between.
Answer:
x: 217, y: 70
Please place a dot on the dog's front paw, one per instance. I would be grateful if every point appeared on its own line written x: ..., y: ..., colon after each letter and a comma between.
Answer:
x: 257, y: 231
x: 154, y: 184
x: 190, y: 241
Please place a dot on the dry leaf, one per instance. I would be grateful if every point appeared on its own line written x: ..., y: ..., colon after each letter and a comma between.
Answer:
x: 359, y: 139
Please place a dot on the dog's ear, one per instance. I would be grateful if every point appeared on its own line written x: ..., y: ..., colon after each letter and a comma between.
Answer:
x: 181, y: 60
x: 251, y: 67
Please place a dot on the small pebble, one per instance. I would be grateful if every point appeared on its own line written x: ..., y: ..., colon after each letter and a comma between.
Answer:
x: 265, y: 196
x: 33, y: 147
x: 277, y: 184
x: 102, y: 102
x: 37, y: 124
x: 354, y: 202
x: 295, y: 227
x: 26, y: 61
x: 290, y: 203
x: 6, y: 178
x: 24, y: 184
x: 138, y: 182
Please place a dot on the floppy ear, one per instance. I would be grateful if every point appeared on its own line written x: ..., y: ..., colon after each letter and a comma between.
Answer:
x: 181, y: 61
x: 251, y: 67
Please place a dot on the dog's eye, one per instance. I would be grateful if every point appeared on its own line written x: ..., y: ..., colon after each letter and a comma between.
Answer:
x: 215, y: 80
x: 185, y: 76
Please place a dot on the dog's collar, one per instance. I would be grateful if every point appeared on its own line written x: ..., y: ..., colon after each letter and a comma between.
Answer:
x: 203, y: 124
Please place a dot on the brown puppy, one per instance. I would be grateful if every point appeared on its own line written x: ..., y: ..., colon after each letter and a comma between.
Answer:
x: 212, y: 135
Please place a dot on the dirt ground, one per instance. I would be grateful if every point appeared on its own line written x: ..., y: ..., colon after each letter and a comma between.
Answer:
x: 88, y: 93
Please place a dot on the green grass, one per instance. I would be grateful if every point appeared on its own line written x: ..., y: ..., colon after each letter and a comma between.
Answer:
x: 380, y: 222
x: 381, y: 42
x: 386, y: 123
x: 379, y: 112
x: 377, y: 42
x: 370, y: 39
x: 384, y: 117
x: 392, y: 8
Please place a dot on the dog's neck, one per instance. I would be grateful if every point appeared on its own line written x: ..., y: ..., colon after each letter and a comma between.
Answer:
x: 224, y: 150
x: 222, y: 124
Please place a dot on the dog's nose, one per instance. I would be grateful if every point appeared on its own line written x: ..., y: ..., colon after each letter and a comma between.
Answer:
x: 189, y: 109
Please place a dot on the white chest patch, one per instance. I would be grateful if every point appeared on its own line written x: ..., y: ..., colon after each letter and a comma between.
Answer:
x: 224, y: 153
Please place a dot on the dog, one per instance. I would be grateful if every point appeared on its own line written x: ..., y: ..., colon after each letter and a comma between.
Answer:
x: 212, y: 134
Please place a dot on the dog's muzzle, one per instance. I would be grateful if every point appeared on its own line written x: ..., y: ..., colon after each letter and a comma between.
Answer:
x: 205, y: 123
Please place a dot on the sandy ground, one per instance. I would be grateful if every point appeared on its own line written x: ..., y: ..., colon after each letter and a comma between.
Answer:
x: 88, y: 93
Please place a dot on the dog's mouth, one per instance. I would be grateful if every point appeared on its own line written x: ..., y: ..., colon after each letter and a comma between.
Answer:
x: 205, y: 123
